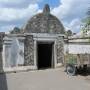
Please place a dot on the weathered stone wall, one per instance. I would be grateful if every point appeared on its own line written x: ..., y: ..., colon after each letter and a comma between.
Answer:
x: 44, y: 23
x: 60, y: 50
x: 1, y: 48
x: 29, y: 50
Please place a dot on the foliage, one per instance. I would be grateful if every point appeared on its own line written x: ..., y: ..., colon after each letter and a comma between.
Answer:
x: 69, y: 33
x: 71, y: 59
x: 16, y: 30
x: 86, y: 23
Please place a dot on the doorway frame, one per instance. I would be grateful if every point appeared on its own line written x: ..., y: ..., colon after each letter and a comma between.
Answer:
x: 54, y: 61
x: 43, y: 37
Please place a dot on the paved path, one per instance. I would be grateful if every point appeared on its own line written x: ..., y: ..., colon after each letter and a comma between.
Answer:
x: 52, y: 79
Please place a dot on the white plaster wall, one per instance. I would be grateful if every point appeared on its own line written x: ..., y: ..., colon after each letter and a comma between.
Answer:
x: 79, y: 49
x: 13, y: 53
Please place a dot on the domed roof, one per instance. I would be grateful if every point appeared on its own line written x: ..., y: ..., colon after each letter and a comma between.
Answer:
x: 44, y: 23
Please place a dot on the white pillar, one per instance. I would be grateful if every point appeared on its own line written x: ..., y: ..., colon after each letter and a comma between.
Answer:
x: 35, y: 54
x: 55, y: 55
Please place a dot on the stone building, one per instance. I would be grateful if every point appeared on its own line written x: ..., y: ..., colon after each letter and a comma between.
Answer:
x: 38, y: 45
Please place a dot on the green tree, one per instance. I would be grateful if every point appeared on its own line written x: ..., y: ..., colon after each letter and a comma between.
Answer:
x: 69, y: 33
x: 16, y: 30
x: 86, y: 23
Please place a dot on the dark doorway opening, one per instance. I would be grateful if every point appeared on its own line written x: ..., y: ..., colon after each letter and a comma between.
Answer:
x: 44, y: 52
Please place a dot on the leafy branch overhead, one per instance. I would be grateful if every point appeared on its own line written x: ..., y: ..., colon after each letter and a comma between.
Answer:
x: 86, y: 23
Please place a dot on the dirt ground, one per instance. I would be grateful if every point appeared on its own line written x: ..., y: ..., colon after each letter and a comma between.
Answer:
x: 49, y: 79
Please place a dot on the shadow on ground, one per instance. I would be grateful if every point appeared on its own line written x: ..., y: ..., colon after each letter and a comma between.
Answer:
x: 84, y: 72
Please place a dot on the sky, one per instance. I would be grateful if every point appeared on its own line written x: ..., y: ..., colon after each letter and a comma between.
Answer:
x: 15, y: 13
